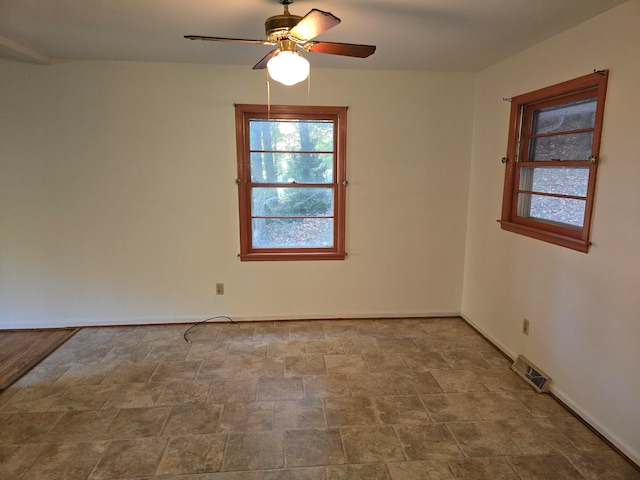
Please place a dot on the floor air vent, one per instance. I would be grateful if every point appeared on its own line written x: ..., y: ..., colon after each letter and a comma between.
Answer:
x: 535, y: 377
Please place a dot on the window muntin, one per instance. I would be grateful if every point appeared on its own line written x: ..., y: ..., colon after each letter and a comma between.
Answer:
x: 554, y: 142
x: 291, y: 168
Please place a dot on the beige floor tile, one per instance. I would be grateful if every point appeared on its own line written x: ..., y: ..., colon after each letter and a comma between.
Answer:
x: 17, y: 459
x: 310, y: 473
x: 359, y: 345
x: 396, y: 409
x: 208, y: 351
x: 307, y: 332
x: 501, y: 380
x: 28, y: 427
x: 168, y: 353
x: 263, y: 367
x: 357, y: 472
x: 307, y: 448
x: 365, y: 384
x: 324, y: 386
x: 32, y: 399
x: 483, y: 439
x: 130, y: 458
x: 181, y: 392
x: 491, y: 468
x: 458, y: 381
x: 345, y: 364
x: 420, y: 361
x: 84, y: 375
x: 371, y: 444
x: 450, y: 407
x: 137, y: 422
x: 544, y: 467
x: 427, y: 442
x: 248, y: 349
x: 578, y: 434
x: 294, y: 414
x: 136, y: 373
x: 398, y: 345
x: 464, y: 359
x: 134, y: 395
x: 289, y: 348
x: 415, y: 383
x: 246, y: 417
x: 220, y: 368
x: 193, y: 454
x: 540, y: 405
x: 270, y: 334
x: 120, y: 355
x: 497, y: 405
x: 69, y: 461
x: 82, y: 425
x: 280, y: 388
x: 537, y: 437
x: 386, y: 362
x: 84, y: 397
x: 603, y: 466
x: 254, y: 451
x: 233, y: 390
x: 305, y: 365
x: 350, y: 411
x: 175, y: 371
x: 332, y: 346
x: 193, y: 420
x: 420, y: 470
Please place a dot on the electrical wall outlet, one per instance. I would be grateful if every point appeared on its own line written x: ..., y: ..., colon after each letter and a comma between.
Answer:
x: 525, y: 326
x: 219, y: 288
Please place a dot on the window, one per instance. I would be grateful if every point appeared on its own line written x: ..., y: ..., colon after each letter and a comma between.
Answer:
x: 552, y: 158
x: 291, y: 182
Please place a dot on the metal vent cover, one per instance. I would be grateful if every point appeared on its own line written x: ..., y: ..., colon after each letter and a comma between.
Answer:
x: 534, y: 376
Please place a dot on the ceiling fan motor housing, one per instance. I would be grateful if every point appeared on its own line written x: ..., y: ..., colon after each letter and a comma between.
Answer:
x: 277, y: 27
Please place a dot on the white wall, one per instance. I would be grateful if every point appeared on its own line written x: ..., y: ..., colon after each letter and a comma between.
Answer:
x: 584, y: 308
x: 118, y: 202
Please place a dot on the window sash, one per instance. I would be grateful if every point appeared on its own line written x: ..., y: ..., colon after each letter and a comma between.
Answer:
x: 333, y: 158
x: 521, y: 162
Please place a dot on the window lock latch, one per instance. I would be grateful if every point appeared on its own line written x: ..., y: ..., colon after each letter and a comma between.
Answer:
x: 592, y: 159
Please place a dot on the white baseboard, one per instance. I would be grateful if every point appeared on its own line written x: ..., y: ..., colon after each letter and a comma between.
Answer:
x: 122, y: 321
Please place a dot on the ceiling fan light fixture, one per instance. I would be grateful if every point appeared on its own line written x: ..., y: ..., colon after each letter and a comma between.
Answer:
x: 288, y: 67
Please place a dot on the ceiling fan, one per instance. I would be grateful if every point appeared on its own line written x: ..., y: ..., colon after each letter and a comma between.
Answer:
x: 290, y: 33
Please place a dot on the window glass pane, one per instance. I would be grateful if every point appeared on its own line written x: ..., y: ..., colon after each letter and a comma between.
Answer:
x: 564, y: 117
x: 559, y: 180
x: 560, y: 210
x: 292, y: 232
x: 267, y: 167
x: 573, y: 146
x: 291, y: 135
x: 291, y: 202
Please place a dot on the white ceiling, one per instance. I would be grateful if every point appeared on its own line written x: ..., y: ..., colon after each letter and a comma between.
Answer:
x: 432, y: 35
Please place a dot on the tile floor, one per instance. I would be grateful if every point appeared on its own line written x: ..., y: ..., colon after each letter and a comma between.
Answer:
x: 319, y: 400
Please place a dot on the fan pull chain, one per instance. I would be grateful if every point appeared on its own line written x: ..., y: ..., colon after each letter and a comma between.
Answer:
x: 268, y: 97
x: 309, y: 85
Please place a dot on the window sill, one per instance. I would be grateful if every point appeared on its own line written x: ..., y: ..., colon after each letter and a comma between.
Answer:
x: 290, y: 256
x: 550, y: 237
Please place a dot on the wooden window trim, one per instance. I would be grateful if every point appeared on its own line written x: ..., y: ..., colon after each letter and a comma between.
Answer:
x: 521, y: 108
x: 247, y: 112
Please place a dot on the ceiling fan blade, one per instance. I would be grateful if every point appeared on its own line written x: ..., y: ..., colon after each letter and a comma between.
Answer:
x: 224, y: 39
x: 313, y: 24
x: 346, y: 49
x: 262, y: 64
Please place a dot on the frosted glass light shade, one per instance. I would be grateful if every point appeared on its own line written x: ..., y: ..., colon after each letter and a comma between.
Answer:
x: 288, y: 68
